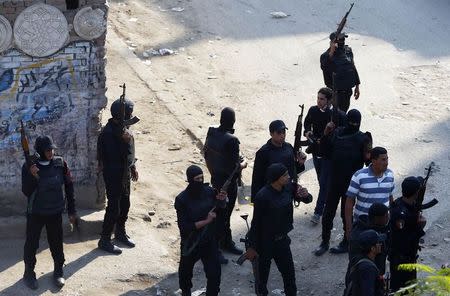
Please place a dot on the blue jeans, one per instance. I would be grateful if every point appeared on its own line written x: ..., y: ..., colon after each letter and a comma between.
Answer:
x: 323, y: 168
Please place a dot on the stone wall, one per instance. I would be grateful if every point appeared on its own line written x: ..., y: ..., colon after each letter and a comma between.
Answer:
x: 52, y: 77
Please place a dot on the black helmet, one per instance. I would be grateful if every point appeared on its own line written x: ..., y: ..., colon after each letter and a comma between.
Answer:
x: 42, y: 144
x: 115, y: 109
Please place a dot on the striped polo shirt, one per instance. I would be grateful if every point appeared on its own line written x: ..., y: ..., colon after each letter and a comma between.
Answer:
x: 367, y: 189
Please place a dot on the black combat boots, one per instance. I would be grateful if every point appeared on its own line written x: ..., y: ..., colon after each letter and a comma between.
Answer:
x: 324, y: 246
x: 58, y: 275
x: 105, y: 244
x: 29, y: 277
x: 121, y: 236
x: 341, y: 248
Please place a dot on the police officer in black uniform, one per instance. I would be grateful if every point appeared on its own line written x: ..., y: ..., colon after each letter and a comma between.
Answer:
x: 196, y: 218
x: 277, y: 150
x: 43, y: 183
x: 116, y: 158
x: 271, y: 223
x: 316, y: 119
x: 339, y: 71
x: 407, y: 225
x: 378, y: 220
x: 365, y: 277
x: 222, y: 156
x: 348, y: 148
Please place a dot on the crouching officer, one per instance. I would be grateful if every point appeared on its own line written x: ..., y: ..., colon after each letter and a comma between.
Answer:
x: 116, y: 158
x: 407, y: 225
x: 271, y: 223
x: 43, y: 183
x: 196, y: 215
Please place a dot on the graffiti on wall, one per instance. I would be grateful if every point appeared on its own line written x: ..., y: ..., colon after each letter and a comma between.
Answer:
x: 34, y: 96
x: 42, y: 92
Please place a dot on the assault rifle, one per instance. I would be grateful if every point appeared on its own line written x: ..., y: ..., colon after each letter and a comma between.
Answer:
x: 122, y: 120
x: 298, y: 143
x: 29, y: 159
x: 196, y: 236
x: 420, y: 205
x: 342, y: 24
x: 242, y: 258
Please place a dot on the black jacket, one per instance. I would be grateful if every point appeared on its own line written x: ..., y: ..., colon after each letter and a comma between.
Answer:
x: 221, y: 154
x: 405, y: 240
x: 112, y: 152
x: 269, y: 154
x: 346, y: 150
x: 333, y: 65
x: 316, y: 121
x: 193, y: 208
x: 272, y: 215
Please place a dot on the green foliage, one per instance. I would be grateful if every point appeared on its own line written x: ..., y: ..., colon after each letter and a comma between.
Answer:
x: 436, y: 282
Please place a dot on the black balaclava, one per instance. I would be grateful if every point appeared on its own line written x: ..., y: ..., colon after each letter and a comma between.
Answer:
x: 227, y: 119
x: 194, y: 187
x: 353, y: 122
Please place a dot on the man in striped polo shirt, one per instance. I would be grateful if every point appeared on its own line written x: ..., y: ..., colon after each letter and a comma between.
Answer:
x: 374, y: 184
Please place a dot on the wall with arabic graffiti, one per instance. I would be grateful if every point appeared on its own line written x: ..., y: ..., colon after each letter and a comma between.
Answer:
x: 60, y: 94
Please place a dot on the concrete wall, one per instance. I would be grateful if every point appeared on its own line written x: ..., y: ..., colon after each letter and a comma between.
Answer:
x: 60, y: 94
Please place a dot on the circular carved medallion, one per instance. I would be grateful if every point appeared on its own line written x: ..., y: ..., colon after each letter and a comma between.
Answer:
x: 5, y: 34
x: 40, y: 30
x: 89, y: 23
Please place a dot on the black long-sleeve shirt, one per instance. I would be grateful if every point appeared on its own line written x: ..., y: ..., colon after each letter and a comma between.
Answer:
x: 269, y: 154
x: 272, y: 215
x: 316, y: 120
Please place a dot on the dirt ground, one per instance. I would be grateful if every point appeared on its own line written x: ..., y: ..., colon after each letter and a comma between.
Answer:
x: 232, y: 53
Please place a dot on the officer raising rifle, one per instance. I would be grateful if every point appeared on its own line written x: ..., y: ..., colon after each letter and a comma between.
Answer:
x: 339, y: 71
